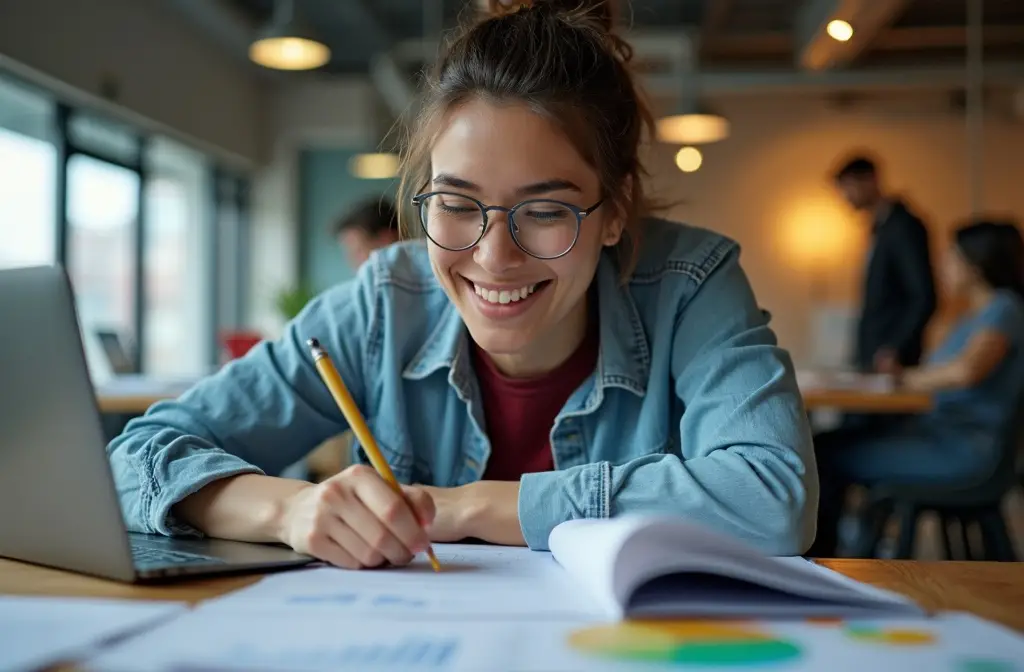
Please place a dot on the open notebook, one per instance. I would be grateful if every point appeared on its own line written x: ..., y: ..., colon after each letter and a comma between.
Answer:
x: 637, y: 567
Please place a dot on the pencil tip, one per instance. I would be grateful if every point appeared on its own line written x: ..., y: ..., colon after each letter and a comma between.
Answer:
x: 313, y: 343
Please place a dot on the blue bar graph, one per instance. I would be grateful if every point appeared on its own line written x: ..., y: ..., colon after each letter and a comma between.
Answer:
x: 408, y: 653
x: 327, y: 598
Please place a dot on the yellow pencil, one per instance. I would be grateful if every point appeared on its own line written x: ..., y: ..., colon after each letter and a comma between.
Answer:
x: 348, y: 407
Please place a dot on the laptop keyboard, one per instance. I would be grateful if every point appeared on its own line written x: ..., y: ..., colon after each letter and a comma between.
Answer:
x: 148, y: 556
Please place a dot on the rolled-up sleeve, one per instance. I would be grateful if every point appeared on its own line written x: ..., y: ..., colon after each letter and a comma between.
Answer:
x: 747, y: 467
x: 258, y: 414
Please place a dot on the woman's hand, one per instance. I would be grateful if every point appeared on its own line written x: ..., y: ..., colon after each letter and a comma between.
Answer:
x: 486, y: 510
x: 355, y: 520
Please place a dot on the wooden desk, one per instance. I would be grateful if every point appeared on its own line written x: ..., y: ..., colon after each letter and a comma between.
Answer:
x: 135, y: 404
x: 855, y: 401
x: 842, y: 400
x: 991, y: 590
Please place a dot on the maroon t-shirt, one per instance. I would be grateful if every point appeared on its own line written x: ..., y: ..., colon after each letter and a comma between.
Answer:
x: 521, y: 411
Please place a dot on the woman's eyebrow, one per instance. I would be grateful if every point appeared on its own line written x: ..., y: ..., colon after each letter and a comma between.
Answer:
x: 546, y: 186
x: 447, y: 180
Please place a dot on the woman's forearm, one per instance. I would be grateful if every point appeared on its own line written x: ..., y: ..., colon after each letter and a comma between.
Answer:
x: 937, y: 378
x: 247, y: 507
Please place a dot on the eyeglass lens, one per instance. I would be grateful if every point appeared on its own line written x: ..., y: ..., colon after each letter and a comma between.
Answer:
x: 542, y: 228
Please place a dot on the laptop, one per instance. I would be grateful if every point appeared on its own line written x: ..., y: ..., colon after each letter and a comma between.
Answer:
x: 58, y: 501
x: 118, y: 354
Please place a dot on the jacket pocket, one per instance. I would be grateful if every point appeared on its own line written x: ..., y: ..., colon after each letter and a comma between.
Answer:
x: 393, y: 448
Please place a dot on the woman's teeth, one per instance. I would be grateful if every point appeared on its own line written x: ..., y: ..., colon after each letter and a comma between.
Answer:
x: 504, y: 295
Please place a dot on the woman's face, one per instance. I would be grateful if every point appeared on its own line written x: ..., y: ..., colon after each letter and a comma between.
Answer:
x: 528, y: 314
x: 957, y: 274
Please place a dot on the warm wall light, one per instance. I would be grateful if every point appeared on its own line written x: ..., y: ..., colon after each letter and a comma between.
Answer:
x: 839, y: 30
x: 376, y: 166
x: 688, y: 159
x: 692, y: 129
x: 816, y: 233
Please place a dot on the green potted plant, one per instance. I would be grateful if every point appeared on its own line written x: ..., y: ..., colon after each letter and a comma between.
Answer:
x: 292, y: 300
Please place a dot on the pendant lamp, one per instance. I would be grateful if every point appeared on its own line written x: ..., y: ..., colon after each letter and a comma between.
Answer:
x: 286, y: 45
x: 695, y: 124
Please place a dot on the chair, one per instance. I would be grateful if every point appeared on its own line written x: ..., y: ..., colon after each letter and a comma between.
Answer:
x: 967, y: 504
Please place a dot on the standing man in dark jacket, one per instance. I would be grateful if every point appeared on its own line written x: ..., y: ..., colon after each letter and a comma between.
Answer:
x: 899, y: 289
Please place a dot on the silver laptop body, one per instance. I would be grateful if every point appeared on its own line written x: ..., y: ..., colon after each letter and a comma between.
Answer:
x: 58, y: 502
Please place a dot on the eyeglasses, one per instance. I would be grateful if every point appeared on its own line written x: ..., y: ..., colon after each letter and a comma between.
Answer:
x: 542, y: 228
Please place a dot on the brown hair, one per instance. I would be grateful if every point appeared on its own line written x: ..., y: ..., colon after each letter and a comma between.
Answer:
x: 562, y: 59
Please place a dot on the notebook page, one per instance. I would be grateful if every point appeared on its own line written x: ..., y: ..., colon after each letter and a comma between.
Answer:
x: 655, y: 551
x: 476, y: 580
x: 589, y: 551
x: 615, y: 557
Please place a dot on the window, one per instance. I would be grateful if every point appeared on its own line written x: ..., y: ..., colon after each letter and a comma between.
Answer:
x: 176, y: 258
x: 153, y: 237
x: 232, y: 233
x: 28, y: 169
x: 102, y: 209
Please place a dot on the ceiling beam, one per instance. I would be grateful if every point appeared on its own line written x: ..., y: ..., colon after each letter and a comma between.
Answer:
x: 907, y: 38
x: 1010, y: 74
x: 715, y: 14
x: 869, y: 18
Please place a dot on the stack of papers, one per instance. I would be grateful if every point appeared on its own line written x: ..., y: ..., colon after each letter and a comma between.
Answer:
x: 624, y: 594
x: 36, y: 632
x: 209, y: 640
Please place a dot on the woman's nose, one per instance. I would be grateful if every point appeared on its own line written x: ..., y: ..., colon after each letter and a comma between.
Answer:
x: 497, y: 252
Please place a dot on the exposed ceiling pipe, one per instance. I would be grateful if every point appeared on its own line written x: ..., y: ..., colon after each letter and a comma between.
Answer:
x: 225, y: 23
x: 392, y: 84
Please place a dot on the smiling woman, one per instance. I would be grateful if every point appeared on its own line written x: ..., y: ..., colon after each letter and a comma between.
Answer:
x: 549, y: 352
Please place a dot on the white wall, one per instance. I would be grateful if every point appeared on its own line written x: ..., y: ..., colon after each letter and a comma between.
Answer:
x: 165, y: 68
x: 769, y: 187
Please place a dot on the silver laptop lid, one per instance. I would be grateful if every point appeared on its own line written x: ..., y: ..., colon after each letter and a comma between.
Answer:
x: 58, y: 503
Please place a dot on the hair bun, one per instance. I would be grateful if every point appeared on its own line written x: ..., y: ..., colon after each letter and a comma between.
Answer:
x: 602, y: 12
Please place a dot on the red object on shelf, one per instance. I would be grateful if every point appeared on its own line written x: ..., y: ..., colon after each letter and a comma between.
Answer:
x: 237, y: 343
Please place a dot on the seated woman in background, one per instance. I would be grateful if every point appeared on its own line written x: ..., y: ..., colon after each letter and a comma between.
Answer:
x: 976, y: 377
x: 546, y: 354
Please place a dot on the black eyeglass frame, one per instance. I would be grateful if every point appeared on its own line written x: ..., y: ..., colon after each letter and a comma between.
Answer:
x: 485, y: 210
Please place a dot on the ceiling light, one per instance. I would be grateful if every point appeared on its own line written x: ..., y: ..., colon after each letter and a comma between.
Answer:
x: 374, y: 166
x: 695, y: 126
x: 285, y: 45
x: 688, y: 159
x: 839, y: 30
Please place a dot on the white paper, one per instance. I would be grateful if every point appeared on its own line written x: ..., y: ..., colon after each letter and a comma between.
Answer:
x: 703, y: 573
x: 206, y: 641
x: 476, y: 580
x: 39, y: 631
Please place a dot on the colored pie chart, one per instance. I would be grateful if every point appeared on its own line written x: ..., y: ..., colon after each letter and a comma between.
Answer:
x: 707, y: 643
x: 891, y: 636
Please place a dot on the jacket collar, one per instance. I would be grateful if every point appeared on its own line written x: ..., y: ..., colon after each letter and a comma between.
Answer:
x: 624, y: 359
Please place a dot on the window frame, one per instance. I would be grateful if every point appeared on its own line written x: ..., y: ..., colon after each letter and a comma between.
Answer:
x: 223, y: 316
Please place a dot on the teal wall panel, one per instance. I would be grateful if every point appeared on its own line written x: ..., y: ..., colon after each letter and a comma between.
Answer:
x: 327, y: 190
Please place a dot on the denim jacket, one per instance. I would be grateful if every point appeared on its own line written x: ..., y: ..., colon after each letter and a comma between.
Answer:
x: 693, y: 409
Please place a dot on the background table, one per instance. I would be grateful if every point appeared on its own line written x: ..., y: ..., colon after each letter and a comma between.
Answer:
x: 854, y: 401
x: 857, y: 401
